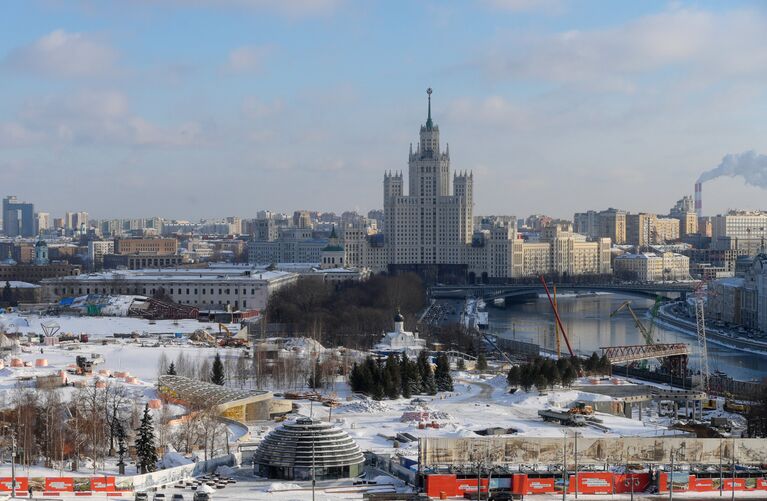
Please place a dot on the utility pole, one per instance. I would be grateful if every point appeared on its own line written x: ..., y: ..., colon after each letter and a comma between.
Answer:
x: 732, y: 482
x: 564, y: 465
x: 721, y: 474
x: 671, y: 478
x: 576, y: 464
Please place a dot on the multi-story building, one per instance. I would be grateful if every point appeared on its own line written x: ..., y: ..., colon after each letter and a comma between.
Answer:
x: 97, y: 249
x: 741, y: 230
x: 42, y: 222
x: 18, y: 218
x: 430, y: 224
x: 610, y: 223
x: 294, y: 245
x: 215, y: 287
x: 587, y: 223
x: 75, y: 220
x: 741, y: 300
x: 35, y: 273
x: 430, y: 229
x: 650, y: 266
x: 145, y: 246
x: 645, y: 229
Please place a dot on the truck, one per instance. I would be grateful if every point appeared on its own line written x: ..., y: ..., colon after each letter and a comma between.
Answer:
x: 563, y: 417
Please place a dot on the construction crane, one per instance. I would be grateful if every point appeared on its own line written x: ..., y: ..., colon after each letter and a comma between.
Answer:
x: 646, y: 333
x: 556, y: 326
x: 700, y: 327
x: 556, y: 315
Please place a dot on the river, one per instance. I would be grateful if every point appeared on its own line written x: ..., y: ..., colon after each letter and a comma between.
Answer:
x: 589, y: 326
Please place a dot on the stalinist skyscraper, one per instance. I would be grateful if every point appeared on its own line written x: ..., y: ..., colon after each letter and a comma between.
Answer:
x: 431, y: 223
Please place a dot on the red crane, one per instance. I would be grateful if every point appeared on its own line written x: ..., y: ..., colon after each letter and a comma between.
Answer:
x: 556, y: 314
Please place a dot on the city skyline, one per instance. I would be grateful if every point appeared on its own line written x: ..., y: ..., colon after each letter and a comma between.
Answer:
x: 304, y: 106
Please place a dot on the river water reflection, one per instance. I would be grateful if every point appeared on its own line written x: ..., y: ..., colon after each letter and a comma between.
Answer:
x: 588, y: 323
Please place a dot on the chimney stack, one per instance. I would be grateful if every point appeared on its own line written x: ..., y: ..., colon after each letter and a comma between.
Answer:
x: 699, y: 199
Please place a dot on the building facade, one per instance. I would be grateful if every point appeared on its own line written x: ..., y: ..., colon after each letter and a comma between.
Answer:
x: 145, y: 246
x: 209, y: 288
x: 651, y: 267
x: 18, y: 218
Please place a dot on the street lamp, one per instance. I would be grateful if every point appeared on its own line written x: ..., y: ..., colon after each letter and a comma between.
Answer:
x: 13, y: 459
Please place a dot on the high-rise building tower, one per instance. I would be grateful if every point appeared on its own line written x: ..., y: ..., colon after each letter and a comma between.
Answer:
x: 429, y: 224
x: 18, y: 218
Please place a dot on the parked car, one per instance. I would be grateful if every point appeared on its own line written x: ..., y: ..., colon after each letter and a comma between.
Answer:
x: 158, y: 496
x: 201, y: 496
x: 141, y: 496
x: 177, y: 497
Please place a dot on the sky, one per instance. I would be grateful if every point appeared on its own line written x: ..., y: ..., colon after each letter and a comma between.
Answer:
x: 210, y: 108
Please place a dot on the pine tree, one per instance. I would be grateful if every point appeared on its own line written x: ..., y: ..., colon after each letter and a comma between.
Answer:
x: 481, y: 362
x: 442, y: 375
x: 541, y: 383
x: 146, y: 454
x: 414, y: 377
x: 604, y: 365
x: 8, y: 297
x: 122, y: 449
x: 217, y: 373
x: 391, y: 379
x: 428, y: 383
x: 461, y: 364
x: 315, y: 378
x: 171, y: 369
x: 404, y: 377
x: 514, y: 376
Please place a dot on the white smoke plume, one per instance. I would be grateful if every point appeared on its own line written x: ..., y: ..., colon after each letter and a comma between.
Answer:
x: 749, y: 165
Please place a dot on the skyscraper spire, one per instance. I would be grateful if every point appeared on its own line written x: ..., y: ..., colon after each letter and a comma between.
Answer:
x: 428, y: 120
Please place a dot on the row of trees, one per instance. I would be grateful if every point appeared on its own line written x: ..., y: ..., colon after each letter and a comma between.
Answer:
x: 546, y: 373
x: 400, y: 376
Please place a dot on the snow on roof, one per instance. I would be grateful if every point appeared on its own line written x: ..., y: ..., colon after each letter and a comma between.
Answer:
x: 177, y: 274
x: 15, y: 284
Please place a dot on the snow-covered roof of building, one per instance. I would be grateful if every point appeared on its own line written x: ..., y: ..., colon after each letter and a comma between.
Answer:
x: 180, y: 274
x: 15, y: 284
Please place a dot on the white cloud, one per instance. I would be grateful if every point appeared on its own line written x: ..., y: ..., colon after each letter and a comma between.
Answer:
x: 292, y: 8
x: 93, y: 117
x: 547, y: 6
x: 64, y: 54
x: 696, y: 43
x: 247, y: 59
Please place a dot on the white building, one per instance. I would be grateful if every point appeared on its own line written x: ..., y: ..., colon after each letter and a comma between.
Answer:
x: 97, y: 249
x: 430, y: 228
x: 400, y: 340
x: 740, y: 230
x: 242, y: 287
x: 650, y: 267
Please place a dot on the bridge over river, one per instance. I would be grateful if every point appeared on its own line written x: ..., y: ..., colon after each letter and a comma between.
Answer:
x: 489, y: 292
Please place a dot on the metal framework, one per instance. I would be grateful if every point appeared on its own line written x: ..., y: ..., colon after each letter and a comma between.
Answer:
x: 190, y: 390
x: 633, y: 353
x: 700, y: 324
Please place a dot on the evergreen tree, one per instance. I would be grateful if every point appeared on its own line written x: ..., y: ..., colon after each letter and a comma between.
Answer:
x: 592, y: 363
x: 604, y: 365
x: 146, y: 454
x: 569, y: 376
x: 404, y: 377
x: 442, y: 375
x: 414, y: 378
x: 122, y: 449
x: 514, y: 376
x: 461, y: 364
x: 481, y: 362
x: 428, y: 383
x: 540, y: 381
x: 8, y: 297
x: 217, y: 372
x: 391, y: 377
x: 355, y: 378
x: 315, y: 378
x: 171, y: 369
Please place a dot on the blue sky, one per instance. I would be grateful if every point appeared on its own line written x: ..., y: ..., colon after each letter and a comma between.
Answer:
x: 204, y: 108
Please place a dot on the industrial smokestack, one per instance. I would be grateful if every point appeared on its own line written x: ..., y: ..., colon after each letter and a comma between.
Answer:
x: 699, y: 199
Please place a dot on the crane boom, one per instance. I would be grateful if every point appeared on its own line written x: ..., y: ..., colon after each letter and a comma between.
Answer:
x: 647, y: 334
x: 556, y: 315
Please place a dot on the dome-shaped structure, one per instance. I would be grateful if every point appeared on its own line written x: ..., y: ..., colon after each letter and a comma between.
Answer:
x: 398, y: 317
x: 291, y: 451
